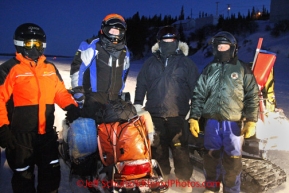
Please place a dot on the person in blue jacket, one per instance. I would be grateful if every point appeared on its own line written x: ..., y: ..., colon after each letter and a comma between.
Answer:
x: 100, y: 66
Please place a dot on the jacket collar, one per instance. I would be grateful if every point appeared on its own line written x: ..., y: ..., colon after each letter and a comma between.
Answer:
x: 26, y: 61
x: 183, y: 47
x: 232, y: 60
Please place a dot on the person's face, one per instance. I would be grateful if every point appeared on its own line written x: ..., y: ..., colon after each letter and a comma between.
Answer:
x: 168, y: 40
x: 114, y: 31
x: 223, y: 47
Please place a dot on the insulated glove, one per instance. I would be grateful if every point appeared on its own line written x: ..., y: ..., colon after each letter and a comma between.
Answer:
x: 249, y: 129
x: 78, y: 95
x: 7, y: 139
x: 73, y: 113
x: 138, y: 108
x: 194, y: 127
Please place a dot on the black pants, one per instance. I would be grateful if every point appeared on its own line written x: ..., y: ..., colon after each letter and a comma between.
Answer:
x: 34, y: 149
x: 172, y: 133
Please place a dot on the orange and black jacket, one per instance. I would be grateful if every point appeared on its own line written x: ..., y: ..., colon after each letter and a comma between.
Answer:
x: 34, y: 89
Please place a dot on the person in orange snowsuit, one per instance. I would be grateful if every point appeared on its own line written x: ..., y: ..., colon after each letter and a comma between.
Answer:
x: 29, y: 87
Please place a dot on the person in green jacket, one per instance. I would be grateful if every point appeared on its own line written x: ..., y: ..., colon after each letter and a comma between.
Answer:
x: 226, y: 96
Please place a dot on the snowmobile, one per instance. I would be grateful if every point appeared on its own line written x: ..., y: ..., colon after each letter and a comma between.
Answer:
x: 258, y: 173
x: 111, y: 157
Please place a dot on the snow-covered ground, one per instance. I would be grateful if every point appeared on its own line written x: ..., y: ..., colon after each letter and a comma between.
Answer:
x: 246, y: 53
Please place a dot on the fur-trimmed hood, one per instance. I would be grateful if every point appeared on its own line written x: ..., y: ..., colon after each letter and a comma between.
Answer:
x: 182, y: 46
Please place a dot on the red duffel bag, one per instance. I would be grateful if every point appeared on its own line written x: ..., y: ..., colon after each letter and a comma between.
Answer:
x: 126, y: 141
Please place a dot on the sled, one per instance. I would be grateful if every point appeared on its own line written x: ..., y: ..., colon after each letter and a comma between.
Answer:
x: 121, y: 163
x: 125, y: 148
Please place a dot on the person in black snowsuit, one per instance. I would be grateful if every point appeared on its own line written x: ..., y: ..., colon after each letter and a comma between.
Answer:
x: 167, y: 79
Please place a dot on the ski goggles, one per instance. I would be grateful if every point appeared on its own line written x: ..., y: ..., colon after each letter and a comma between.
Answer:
x: 29, y: 44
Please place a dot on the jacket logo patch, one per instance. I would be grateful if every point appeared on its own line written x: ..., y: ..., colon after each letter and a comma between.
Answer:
x: 234, y: 75
x: 48, y: 73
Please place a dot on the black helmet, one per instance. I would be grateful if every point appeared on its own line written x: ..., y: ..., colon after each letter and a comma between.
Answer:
x: 168, y: 32
x: 30, y: 40
x: 224, y: 37
x: 114, y: 21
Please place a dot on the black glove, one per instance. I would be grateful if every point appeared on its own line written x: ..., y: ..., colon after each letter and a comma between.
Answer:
x: 7, y: 139
x: 78, y: 95
x: 73, y: 113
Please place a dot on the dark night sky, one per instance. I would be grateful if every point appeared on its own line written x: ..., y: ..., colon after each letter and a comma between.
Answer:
x: 68, y: 22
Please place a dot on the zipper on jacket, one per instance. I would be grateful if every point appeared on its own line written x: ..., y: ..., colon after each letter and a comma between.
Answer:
x: 160, y: 60
x: 166, y: 63
x: 33, y: 65
x: 112, y: 77
x: 220, y: 85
